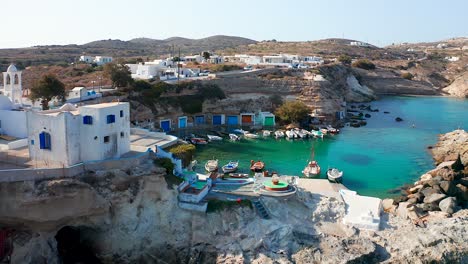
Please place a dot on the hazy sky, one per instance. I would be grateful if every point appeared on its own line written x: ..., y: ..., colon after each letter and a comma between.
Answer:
x: 40, y: 22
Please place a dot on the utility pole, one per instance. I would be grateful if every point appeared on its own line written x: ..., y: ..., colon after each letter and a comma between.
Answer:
x: 178, y: 69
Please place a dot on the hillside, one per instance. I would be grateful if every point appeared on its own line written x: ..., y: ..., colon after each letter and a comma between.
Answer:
x: 140, y: 47
x: 327, y: 48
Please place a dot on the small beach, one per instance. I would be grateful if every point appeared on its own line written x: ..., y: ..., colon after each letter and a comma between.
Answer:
x: 376, y: 158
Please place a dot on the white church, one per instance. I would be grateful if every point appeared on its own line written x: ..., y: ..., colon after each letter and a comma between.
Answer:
x: 12, y: 117
x: 67, y: 135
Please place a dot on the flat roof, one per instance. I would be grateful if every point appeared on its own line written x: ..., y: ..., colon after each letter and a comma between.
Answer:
x: 103, y: 105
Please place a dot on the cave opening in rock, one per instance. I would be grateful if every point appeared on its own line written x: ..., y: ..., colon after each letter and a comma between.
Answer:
x: 73, y: 245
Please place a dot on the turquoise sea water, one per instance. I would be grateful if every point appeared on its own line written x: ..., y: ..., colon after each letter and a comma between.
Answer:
x: 376, y: 158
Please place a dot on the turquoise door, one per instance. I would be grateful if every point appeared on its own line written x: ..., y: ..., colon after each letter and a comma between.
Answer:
x: 233, y: 120
x: 183, y: 122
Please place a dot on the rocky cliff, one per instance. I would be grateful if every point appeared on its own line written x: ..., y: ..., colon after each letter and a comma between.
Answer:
x: 132, y: 216
x: 459, y: 87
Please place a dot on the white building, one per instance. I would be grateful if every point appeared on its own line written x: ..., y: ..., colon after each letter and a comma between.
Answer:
x: 99, y: 60
x: 145, y: 71
x: 86, y: 59
x: 359, y: 44
x: 12, y: 121
x: 312, y: 60
x: 193, y: 58
x: 441, y: 46
x: 71, y: 135
x: 12, y: 86
x: 79, y: 94
x: 215, y: 59
x: 452, y: 58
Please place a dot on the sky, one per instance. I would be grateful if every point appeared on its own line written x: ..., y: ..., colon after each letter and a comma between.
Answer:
x: 380, y: 22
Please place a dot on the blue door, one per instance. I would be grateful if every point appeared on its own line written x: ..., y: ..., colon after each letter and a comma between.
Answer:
x: 217, y: 120
x: 166, y: 125
x: 182, y: 122
x: 200, y: 120
x: 233, y: 120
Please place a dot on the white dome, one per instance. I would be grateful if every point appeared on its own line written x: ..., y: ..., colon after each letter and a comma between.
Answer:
x: 12, y: 68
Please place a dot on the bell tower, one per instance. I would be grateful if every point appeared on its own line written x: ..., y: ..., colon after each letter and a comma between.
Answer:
x: 12, y: 86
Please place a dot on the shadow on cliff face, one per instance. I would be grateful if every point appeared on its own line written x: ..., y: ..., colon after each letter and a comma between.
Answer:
x: 72, y: 248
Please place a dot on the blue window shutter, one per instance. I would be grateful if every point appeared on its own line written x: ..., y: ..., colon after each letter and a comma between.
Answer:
x: 121, y: 113
x: 42, y: 140
x: 110, y: 119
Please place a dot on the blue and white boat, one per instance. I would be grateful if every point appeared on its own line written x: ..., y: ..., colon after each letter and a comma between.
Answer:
x: 231, y: 167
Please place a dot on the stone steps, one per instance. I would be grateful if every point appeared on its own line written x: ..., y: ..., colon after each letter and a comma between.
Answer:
x: 261, y: 210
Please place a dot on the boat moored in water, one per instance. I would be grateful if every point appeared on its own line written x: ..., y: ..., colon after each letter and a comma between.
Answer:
x: 198, y: 141
x: 238, y: 175
x: 234, y: 137
x: 266, y: 133
x: 334, y: 175
x: 312, y: 169
x: 230, y: 167
x: 256, y: 166
x: 279, y: 134
x: 214, y: 138
x: 250, y: 135
x: 211, y: 165
x: 333, y: 130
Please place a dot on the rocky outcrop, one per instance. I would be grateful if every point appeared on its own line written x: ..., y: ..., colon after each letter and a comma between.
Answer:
x: 450, y: 145
x: 459, y: 87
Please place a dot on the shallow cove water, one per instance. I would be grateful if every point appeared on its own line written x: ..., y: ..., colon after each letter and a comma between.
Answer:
x: 375, y: 158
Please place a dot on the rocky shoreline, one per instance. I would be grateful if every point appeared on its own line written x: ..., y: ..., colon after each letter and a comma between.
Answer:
x: 132, y: 216
x: 443, y: 189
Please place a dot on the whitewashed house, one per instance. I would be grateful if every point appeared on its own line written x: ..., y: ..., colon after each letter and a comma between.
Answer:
x: 145, y: 71
x: 86, y: 59
x: 313, y: 60
x: 71, y: 135
x: 193, y: 58
x: 12, y: 120
x: 101, y: 60
x: 79, y: 94
x: 359, y: 44
x: 452, y: 58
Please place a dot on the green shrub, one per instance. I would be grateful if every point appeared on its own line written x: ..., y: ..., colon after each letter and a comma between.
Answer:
x: 364, y: 64
x: 165, y: 163
x: 218, y: 205
x: 184, y: 152
x: 345, y: 59
x: 407, y: 76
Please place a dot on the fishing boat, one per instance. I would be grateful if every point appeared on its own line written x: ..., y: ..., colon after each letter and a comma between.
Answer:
x: 290, y: 134
x: 333, y: 130
x: 230, y: 167
x: 239, y: 131
x: 312, y: 169
x: 334, y: 175
x: 299, y: 133
x: 214, y: 138
x: 198, y: 141
x: 256, y: 166
x: 306, y: 133
x: 234, y: 137
x: 324, y: 131
x: 211, y: 165
x: 266, y: 133
x: 317, y: 133
x: 250, y: 135
x: 238, y: 175
x: 279, y: 134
